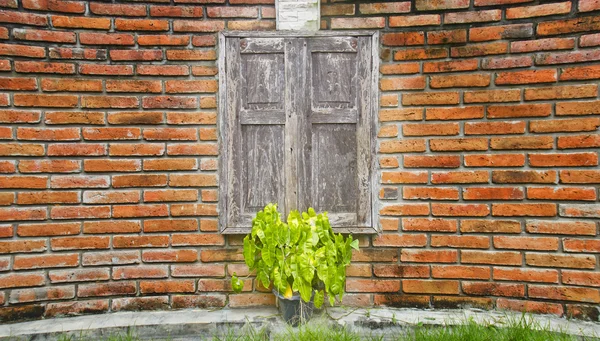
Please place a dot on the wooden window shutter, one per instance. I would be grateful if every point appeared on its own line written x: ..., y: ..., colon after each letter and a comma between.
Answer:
x: 297, y: 127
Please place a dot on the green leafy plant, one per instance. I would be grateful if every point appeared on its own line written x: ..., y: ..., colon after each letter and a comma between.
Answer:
x: 300, y: 255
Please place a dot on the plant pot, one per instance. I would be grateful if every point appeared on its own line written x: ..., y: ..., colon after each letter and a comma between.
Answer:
x: 294, y: 310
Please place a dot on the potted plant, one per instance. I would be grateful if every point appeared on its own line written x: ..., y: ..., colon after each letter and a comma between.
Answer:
x: 302, y: 259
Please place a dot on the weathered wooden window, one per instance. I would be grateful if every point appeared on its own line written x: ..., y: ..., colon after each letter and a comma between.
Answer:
x: 297, y: 126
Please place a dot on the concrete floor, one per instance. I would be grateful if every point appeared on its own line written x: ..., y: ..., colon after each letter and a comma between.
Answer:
x: 199, y: 324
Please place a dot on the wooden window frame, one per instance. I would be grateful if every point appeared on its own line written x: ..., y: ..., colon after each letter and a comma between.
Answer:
x: 224, y: 182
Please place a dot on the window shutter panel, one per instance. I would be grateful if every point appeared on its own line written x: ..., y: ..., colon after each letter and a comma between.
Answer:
x: 255, y: 129
x: 336, y: 143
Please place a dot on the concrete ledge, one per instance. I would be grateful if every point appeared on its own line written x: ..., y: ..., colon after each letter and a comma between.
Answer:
x: 191, y: 324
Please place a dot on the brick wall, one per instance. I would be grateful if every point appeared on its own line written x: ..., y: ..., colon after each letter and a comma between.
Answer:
x: 488, y: 153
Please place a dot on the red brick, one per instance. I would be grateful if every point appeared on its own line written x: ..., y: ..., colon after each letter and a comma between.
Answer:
x: 462, y: 242
x: 491, y: 257
x: 459, y: 177
x: 414, y: 20
x: 561, y: 227
x: 141, y: 25
x: 421, y: 53
x: 526, y: 275
x: 37, y: 182
x: 460, y: 272
x: 47, y: 197
x: 55, y: 6
x: 70, y: 84
x: 44, y: 67
x: 461, y: 81
x: 472, y: 17
x: 76, y: 53
x: 465, y: 210
x: 546, y: 44
x: 450, y: 66
x: 139, y: 55
x: 408, y: 240
x: 500, y: 32
x: 179, y: 256
x: 88, y: 38
x: 579, y: 176
x: 107, y: 289
x: 564, y: 293
x: 45, y: 36
x: 140, y: 303
x: 459, y: 144
x: 431, y: 161
x: 564, y: 160
x: 79, y: 181
x: 490, y: 226
x: 580, y: 210
x: 109, y: 102
x: 170, y: 164
x: 12, y: 17
x: 405, y: 209
x: 76, y: 149
x: 534, y: 142
x: 17, y: 280
x: 399, y: 69
x: 165, y: 40
x: 415, y: 286
x: 521, y: 110
x: 579, y: 24
x: 429, y: 225
x: 56, y: 101
x: 22, y: 51
x: 174, y: 102
x: 424, y: 5
x: 177, y: 11
x: 484, y: 49
x: 447, y: 37
x: 79, y: 243
x: 567, y: 57
x: 132, y: 211
x: 408, y: 114
x: 404, y: 177
x: 46, y: 261
x: 561, y: 92
x: 458, y: 113
x: 118, y: 10
x: 140, y: 241
x: 47, y: 166
x: 163, y: 70
x: 507, y: 62
x: 80, y: 212
x: 198, y: 26
x: 524, y: 210
x: 48, y: 134
x: 19, y: 116
x: 581, y: 245
x: 146, y: 117
x: 94, y: 69
x: 495, y: 128
x: 493, y: 289
x: 403, y: 39
x: 493, y: 193
x: 133, y: 149
x: 538, y: 11
x: 526, y: 77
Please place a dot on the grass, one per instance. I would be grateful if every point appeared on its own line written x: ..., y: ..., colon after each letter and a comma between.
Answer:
x: 519, y: 329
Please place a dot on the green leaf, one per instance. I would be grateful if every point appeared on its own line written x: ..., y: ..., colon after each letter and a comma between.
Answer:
x: 236, y: 284
x: 319, y: 298
x: 249, y: 251
x: 279, y: 281
x: 305, y: 290
x: 354, y: 244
